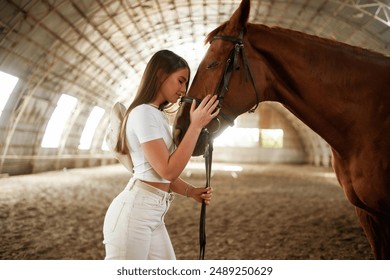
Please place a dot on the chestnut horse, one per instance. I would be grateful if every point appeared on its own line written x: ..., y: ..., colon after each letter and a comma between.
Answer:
x: 341, y: 92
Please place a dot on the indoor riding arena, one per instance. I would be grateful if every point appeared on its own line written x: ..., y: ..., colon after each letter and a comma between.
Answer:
x: 63, y: 65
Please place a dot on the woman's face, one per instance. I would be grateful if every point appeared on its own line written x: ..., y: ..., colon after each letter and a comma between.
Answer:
x: 174, y: 86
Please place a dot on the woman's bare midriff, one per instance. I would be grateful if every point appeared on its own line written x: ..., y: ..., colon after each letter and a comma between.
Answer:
x: 162, y: 186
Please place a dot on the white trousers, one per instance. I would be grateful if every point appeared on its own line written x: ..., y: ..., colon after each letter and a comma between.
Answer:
x: 134, y: 227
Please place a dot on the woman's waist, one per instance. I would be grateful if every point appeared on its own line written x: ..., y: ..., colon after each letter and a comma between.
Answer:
x: 135, y: 186
x: 149, y: 175
x: 158, y: 185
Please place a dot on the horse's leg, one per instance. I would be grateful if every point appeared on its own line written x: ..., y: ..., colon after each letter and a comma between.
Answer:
x: 377, y: 230
x: 371, y: 207
x: 343, y: 174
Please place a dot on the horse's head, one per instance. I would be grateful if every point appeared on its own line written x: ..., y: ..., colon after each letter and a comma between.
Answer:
x: 224, y: 71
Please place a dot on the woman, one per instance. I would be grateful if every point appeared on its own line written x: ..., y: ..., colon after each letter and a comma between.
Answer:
x: 134, y: 224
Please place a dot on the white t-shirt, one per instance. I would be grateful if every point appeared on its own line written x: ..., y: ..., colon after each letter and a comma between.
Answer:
x: 146, y: 123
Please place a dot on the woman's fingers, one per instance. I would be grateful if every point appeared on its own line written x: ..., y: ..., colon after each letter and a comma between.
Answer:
x: 208, y: 102
x: 205, y: 111
x: 212, y: 110
x: 204, y: 101
x: 206, y: 196
x: 213, y: 103
x: 193, y: 105
x: 210, y: 105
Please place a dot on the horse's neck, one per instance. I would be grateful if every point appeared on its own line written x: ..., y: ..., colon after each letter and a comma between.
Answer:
x: 322, y: 83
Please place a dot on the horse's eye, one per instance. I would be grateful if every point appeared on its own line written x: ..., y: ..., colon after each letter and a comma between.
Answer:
x: 212, y: 64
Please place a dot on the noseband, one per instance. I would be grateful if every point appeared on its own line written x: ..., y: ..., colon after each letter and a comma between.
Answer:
x: 232, y: 63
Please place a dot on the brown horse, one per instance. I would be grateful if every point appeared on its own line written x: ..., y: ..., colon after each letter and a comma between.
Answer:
x: 341, y: 92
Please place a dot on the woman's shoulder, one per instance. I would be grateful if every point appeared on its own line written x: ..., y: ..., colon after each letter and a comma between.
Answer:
x: 143, y: 111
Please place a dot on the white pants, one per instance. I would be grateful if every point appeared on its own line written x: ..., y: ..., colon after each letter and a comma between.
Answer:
x: 134, y: 227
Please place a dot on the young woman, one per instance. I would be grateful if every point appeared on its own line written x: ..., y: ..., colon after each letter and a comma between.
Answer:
x: 134, y: 223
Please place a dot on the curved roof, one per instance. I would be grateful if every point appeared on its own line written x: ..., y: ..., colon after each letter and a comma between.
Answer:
x: 96, y: 50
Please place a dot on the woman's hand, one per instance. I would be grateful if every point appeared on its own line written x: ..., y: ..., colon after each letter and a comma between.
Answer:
x: 205, y: 112
x: 200, y: 194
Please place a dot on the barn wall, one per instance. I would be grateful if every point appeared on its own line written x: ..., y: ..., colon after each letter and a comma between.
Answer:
x: 266, y: 117
x: 259, y: 155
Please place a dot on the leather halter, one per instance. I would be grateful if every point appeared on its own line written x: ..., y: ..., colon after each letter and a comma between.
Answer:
x: 232, y: 63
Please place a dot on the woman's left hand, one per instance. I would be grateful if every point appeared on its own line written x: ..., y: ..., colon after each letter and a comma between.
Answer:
x: 200, y: 194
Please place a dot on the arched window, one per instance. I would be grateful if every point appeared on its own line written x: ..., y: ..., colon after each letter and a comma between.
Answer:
x: 7, y: 85
x: 90, y: 127
x: 56, y: 124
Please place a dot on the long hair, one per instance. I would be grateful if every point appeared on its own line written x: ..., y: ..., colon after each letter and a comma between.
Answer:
x: 160, y: 66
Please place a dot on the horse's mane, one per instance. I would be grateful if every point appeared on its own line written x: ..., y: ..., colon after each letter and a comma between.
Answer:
x: 294, y: 33
x: 321, y: 40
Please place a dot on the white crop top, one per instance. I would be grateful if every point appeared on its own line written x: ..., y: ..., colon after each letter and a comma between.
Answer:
x: 146, y: 123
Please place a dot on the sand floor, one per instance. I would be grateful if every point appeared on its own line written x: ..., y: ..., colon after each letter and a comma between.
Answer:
x: 261, y: 212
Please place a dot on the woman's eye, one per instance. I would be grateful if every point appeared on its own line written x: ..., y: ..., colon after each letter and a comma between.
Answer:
x: 212, y: 64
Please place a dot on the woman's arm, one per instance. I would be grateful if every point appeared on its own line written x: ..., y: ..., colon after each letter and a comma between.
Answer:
x: 199, y: 194
x: 170, y: 166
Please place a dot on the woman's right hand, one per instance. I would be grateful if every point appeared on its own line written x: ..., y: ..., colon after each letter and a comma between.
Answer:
x: 200, y: 116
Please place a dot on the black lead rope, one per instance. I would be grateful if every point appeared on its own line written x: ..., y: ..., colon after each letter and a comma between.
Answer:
x: 208, y: 155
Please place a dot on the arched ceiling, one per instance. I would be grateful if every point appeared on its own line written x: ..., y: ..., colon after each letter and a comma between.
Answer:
x: 96, y: 50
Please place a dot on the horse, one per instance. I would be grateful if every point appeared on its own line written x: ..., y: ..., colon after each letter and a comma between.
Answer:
x: 340, y: 91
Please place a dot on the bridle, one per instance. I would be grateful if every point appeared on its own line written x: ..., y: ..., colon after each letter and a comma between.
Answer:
x: 232, y: 64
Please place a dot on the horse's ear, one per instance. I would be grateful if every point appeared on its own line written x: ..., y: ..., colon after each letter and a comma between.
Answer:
x: 241, y: 15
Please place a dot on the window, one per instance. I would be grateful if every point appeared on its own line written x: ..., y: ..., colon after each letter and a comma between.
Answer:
x: 7, y: 85
x: 90, y: 127
x: 238, y: 137
x: 271, y: 138
x: 250, y: 137
x: 58, y: 120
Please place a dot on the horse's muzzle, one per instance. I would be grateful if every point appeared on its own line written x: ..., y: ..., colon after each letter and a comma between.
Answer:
x: 200, y: 146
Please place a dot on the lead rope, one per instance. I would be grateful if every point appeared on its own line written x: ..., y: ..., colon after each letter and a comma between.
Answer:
x: 208, y: 155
